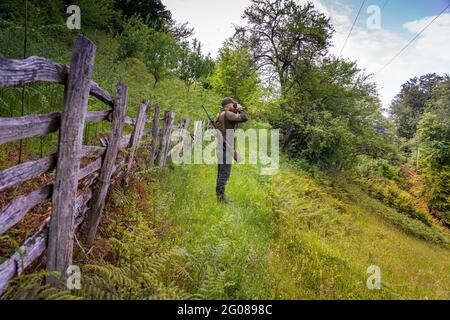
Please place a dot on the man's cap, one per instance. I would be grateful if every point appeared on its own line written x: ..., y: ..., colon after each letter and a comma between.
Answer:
x: 227, y: 101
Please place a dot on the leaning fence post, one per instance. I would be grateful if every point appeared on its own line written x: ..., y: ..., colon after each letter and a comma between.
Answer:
x: 198, y: 125
x: 137, y: 135
x: 169, y: 134
x: 165, y: 142
x: 155, y: 134
x: 101, y: 188
x: 76, y: 94
x: 185, y: 128
x: 163, y: 139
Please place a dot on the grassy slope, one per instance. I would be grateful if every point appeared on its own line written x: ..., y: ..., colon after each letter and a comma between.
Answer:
x: 290, y: 237
x: 279, y: 239
x: 42, y: 98
x: 284, y: 237
x: 170, y: 94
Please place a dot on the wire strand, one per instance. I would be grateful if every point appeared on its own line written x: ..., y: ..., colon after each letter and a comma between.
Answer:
x: 413, y: 39
x: 353, y: 26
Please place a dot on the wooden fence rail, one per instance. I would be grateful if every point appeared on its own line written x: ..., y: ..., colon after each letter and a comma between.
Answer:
x: 90, y: 182
x: 16, y: 128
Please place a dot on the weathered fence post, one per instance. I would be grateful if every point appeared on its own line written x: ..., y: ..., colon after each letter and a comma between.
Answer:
x: 187, y: 122
x: 101, y: 188
x: 165, y: 140
x: 185, y: 128
x: 169, y: 134
x: 198, y: 125
x: 155, y: 134
x: 60, y: 242
x: 180, y: 122
x: 137, y: 135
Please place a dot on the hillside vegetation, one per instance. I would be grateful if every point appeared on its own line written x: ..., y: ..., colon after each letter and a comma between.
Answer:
x: 350, y: 192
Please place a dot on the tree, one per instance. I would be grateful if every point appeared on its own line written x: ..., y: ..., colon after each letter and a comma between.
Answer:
x: 328, y: 109
x: 434, y: 138
x: 335, y: 115
x: 193, y: 66
x: 408, y: 106
x: 180, y: 31
x: 285, y: 40
x: 134, y: 39
x: 280, y: 33
x: 235, y: 74
x: 152, y: 12
x: 162, y: 55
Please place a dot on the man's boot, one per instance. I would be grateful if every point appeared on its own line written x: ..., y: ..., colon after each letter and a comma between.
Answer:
x: 221, y: 199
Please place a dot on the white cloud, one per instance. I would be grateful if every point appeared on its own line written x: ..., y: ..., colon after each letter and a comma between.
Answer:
x: 435, y: 41
x: 372, y: 49
x: 212, y: 20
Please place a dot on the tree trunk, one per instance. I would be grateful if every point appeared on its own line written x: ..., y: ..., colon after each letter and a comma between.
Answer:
x: 287, y: 138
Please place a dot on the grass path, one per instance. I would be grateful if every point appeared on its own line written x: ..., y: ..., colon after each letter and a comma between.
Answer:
x: 232, y: 240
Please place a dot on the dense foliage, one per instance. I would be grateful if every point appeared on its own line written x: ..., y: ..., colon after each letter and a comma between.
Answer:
x: 328, y: 109
x: 348, y: 175
x: 235, y: 75
x: 434, y: 140
x: 410, y: 104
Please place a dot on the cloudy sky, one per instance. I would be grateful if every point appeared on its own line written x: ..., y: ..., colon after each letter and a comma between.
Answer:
x: 370, y: 46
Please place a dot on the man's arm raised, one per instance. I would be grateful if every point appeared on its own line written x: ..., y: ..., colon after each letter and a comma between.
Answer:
x: 241, y: 116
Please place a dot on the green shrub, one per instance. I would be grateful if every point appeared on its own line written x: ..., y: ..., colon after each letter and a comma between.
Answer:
x: 437, y: 187
x: 369, y: 167
x: 390, y: 194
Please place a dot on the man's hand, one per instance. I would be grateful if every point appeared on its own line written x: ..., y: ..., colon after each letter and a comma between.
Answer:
x: 236, y: 114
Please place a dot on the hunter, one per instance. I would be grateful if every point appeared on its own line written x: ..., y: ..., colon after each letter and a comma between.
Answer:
x: 226, y: 120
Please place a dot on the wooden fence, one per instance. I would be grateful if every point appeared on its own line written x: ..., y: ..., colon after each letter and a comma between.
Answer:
x: 77, y: 194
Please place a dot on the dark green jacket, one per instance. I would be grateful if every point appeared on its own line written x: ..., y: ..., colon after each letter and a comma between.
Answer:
x: 228, y: 120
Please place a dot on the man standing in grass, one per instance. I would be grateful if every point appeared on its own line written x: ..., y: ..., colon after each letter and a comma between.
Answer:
x: 231, y: 114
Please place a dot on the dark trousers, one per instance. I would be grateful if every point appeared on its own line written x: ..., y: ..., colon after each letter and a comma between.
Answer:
x: 223, y: 171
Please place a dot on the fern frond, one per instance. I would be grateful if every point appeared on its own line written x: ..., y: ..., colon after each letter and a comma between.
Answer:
x: 152, y: 277
x: 32, y: 287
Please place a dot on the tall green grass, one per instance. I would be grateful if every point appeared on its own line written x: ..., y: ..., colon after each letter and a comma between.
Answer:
x: 295, y: 235
x: 232, y: 240
x: 292, y: 237
x: 41, y: 98
x: 330, y: 234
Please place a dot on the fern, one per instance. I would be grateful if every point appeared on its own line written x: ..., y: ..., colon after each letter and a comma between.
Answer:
x: 214, y: 286
x: 31, y: 287
x: 153, y: 277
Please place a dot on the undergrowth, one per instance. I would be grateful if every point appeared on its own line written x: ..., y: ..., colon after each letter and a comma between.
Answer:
x: 296, y: 235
